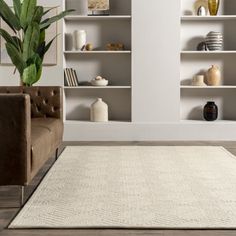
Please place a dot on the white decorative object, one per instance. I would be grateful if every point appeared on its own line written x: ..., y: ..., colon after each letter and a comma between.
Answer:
x: 98, y: 7
x: 79, y: 39
x: 214, y: 41
x: 99, y: 81
x: 135, y: 187
x: 82, y: 7
x: 198, y: 80
x: 202, y: 11
x: 99, y: 111
x: 214, y: 76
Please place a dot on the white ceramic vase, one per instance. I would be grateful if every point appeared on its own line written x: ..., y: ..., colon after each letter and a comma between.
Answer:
x: 198, y: 80
x: 99, y: 111
x: 83, y: 7
x: 79, y: 39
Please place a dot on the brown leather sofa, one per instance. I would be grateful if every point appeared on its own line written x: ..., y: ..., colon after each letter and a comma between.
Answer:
x: 31, y: 129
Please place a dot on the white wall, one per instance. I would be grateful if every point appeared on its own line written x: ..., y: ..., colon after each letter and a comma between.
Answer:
x: 52, y: 75
x: 155, y: 50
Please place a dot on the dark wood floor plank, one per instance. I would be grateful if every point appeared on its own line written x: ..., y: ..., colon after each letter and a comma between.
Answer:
x: 81, y: 233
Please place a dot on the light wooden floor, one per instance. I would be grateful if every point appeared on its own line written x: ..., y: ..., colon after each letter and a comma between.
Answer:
x: 9, y: 197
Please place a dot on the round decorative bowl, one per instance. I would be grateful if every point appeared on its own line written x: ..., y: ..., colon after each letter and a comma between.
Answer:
x: 101, y: 82
x: 214, y: 41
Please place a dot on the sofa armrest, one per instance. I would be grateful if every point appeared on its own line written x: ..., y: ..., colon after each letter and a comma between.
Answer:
x: 46, y: 101
x: 15, y: 132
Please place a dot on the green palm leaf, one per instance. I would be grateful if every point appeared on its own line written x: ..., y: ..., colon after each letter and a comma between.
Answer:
x: 49, y: 44
x: 46, y: 23
x: 31, y: 41
x: 9, y: 17
x: 29, y: 75
x: 42, y: 36
x: 18, y: 43
x: 38, y: 14
x: 8, y: 38
x: 27, y: 12
x: 46, y: 12
x: 17, y: 7
x: 16, y: 57
x: 38, y: 75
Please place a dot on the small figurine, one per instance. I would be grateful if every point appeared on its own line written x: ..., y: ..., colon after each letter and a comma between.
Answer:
x: 115, y: 47
x: 89, y: 47
x: 201, y: 11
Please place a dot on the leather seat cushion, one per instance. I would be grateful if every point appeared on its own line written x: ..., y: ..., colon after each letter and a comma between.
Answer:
x: 46, y: 136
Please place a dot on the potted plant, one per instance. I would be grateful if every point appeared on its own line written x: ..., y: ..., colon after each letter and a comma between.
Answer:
x: 27, y: 47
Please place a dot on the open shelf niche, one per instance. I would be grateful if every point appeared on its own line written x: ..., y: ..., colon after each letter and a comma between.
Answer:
x: 193, y: 30
x: 115, y: 66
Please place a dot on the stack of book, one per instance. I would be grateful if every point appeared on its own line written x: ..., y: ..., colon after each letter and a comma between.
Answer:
x: 71, y: 78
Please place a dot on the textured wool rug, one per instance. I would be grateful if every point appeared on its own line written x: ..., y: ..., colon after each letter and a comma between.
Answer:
x: 135, y: 187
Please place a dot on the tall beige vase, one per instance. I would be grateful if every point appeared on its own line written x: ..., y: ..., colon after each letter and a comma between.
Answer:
x: 214, y: 76
x: 99, y: 111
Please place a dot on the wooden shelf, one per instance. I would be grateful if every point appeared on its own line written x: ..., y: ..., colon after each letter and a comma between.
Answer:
x: 110, y: 17
x: 208, y: 18
x: 208, y: 87
x: 98, y: 52
x: 98, y: 87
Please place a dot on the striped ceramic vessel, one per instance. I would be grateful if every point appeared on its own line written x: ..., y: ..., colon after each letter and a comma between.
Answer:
x: 214, y: 41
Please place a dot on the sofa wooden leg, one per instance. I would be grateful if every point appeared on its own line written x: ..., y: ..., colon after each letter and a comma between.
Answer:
x: 22, y: 192
x: 57, y: 153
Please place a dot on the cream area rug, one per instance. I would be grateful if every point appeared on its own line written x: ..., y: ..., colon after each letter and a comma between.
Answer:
x: 135, y: 187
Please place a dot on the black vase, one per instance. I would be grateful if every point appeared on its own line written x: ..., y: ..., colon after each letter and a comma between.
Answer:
x: 210, y: 111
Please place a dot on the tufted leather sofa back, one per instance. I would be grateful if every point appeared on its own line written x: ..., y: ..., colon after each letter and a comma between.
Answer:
x: 45, y: 101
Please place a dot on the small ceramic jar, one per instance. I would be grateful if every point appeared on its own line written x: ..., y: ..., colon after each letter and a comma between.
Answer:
x: 198, y: 80
x: 210, y: 112
x: 79, y: 39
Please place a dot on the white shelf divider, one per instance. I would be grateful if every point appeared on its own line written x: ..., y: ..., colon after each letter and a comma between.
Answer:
x: 87, y: 122
x: 98, y: 52
x: 203, y: 122
x: 209, y: 52
x: 208, y: 87
x: 98, y: 87
x: 208, y: 18
x: 110, y: 17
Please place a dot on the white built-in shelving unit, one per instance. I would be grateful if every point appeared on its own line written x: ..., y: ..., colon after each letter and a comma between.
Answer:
x: 193, y: 30
x: 150, y: 95
x: 116, y: 66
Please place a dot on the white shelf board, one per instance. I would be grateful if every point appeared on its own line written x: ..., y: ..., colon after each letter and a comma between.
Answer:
x: 98, y: 52
x: 98, y: 87
x: 223, y: 122
x: 81, y: 122
x: 208, y: 87
x: 208, y: 52
x: 208, y: 18
x: 85, y: 18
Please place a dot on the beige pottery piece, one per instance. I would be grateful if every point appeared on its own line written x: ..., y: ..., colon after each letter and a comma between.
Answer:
x: 214, y: 76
